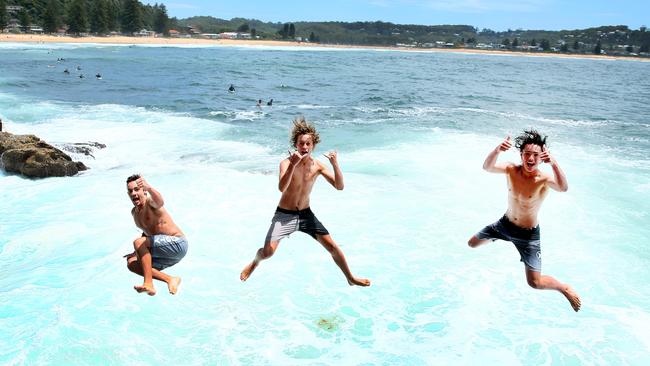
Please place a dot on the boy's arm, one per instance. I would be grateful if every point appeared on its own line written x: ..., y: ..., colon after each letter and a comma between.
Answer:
x: 490, y: 164
x: 336, y: 179
x: 558, y: 181
x: 155, y: 198
x: 287, y: 166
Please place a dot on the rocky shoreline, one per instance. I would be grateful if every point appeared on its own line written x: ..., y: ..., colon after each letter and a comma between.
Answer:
x: 32, y: 157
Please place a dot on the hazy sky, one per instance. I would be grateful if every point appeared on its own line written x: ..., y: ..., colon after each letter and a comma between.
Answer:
x: 494, y: 14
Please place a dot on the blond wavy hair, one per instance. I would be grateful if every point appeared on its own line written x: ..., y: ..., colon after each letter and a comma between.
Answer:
x: 302, y: 127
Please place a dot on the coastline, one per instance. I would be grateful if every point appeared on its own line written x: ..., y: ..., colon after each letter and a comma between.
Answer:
x: 121, y: 40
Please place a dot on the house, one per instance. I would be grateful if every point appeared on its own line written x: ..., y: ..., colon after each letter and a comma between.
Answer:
x: 144, y: 33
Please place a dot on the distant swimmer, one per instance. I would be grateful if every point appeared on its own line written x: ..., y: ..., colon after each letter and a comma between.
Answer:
x: 78, y: 68
x: 259, y: 103
x: 66, y: 71
x: 527, y: 189
x: 162, y: 243
x: 298, y: 173
x: 81, y: 76
x: 98, y: 76
x: 270, y: 103
x: 232, y: 88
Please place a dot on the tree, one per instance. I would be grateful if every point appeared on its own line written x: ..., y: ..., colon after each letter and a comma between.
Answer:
x: 313, y: 38
x: 243, y: 28
x: 515, y: 43
x: 576, y: 45
x: 3, y: 14
x: 161, y: 20
x: 52, y: 17
x: 629, y: 49
x: 598, y: 48
x: 545, y: 44
x: 533, y: 43
x: 285, y: 31
x: 100, y: 21
x: 77, y: 17
x: 131, y: 16
x: 645, y: 48
x: 564, y: 47
x: 292, y: 30
x: 24, y: 19
x: 253, y: 33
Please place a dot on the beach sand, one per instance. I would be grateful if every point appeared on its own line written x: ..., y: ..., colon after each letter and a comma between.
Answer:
x: 33, y: 38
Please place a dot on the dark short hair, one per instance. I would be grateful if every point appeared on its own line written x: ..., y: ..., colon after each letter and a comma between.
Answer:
x: 132, y: 178
x: 530, y: 137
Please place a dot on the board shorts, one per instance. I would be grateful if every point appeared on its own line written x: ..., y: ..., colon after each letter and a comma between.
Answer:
x: 527, y: 241
x: 166, y: 250
x: 286, y: 222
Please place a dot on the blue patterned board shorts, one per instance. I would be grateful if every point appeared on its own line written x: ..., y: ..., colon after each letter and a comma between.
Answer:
x: 527, y: 241
x: 167, y: 250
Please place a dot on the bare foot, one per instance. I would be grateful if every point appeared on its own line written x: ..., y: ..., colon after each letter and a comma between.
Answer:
x: 173, y: 285
x: 246, y: 272
x: 359, y: 282
x: 146, y: 287
x: 573, y: 298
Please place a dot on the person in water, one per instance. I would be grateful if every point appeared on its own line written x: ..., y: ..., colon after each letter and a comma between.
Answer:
x: 231, y: 88
x: 259, y: 103
x: 270, y: 102
x: 298, y: 173
x: 527, y: 189
x: 162, y: 243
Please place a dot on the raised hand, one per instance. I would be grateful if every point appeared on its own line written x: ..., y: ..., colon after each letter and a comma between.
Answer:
x: 331, y: 156
x: 295, y: 157
x: 142, y: 184
x: 545, y: 156
x: 506, y: 144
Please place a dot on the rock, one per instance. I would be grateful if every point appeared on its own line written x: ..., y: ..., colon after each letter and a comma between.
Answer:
x: 32, y: 157
x: 85, y: 148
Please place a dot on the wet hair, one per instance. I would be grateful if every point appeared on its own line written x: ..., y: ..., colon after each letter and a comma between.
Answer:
x: 132, y: 178
x: 530, y: 137
x: 302, y: 127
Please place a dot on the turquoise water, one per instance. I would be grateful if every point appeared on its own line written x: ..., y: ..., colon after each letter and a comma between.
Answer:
x: 412, y: 131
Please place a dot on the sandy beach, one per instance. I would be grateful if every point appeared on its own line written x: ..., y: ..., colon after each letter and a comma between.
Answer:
x: 31, y: 38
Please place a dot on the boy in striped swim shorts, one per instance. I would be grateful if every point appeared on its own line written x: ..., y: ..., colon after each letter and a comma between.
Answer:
x: 298, y: 173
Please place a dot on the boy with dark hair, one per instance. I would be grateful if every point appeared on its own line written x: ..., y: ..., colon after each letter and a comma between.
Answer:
x: 527, y: 188
x: 162, y: 243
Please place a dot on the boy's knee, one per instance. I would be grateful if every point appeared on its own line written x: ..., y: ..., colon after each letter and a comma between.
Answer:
x: 139, y: 242
x: 535, y: 283
x: 267, y: 252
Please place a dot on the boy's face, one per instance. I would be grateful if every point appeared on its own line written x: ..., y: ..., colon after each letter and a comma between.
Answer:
x: 530, y: 157
x: 305, y: 144
x: 136, y: 194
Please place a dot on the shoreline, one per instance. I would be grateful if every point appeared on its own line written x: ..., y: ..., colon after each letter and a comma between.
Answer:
x: 122, y: 40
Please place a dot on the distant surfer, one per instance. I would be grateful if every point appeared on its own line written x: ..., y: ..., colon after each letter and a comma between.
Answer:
x: 66, y: 71
x: 162, y: 243
x: 527, y: 188
x: 81, y: 76
x: 298, y: 173
x: 270, y: 102
x: 231, y: 89
x: 98, y: 76
x: 259, y: 103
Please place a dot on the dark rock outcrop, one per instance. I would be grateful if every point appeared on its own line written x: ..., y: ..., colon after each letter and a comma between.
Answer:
x: 32, y: 157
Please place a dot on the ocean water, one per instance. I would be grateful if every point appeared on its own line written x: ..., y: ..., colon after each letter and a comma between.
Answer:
x: 411, y: 130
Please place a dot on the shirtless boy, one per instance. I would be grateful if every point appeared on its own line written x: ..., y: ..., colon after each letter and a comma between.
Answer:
x: 527, y: 188
x: 298, y: 173
x: 162, y: 243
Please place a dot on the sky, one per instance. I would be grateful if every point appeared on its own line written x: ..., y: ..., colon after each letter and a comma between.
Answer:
x: 498, y: 15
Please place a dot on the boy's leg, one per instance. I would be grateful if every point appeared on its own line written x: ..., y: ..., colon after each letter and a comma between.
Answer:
x: 542, y: 282
x: 328, y: 243
x: 172, y: 282
x: 262, y: 254
x: 142, y: 246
